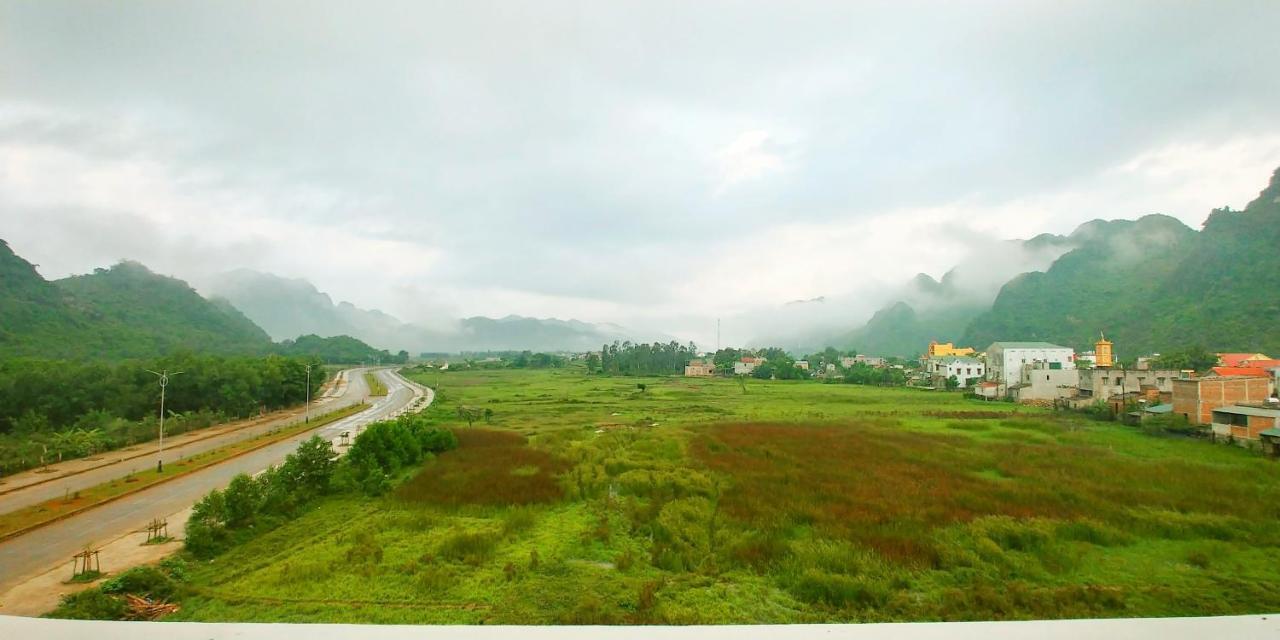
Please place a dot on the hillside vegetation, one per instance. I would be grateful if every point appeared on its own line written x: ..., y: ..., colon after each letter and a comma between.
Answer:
x: 122, y: 312
x: 1154, y: 284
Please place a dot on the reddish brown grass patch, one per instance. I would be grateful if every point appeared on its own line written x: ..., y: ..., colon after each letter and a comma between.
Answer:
x: 489, y: 467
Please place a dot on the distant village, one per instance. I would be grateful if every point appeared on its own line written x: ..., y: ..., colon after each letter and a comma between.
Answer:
x: 1233, y: 401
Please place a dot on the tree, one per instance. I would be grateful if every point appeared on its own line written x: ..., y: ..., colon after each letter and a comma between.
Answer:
x: 952, y: 383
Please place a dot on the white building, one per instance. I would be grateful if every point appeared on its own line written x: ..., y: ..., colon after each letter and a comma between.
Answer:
x: 968, y: 371
x: 1040, y: 380
x: 1005, y: 359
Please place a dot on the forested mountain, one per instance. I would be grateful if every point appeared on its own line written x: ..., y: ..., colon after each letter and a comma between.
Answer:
x: 122, y: 312
x: 287, y: 308
x: 898, y: 330
x: 1154, y: 284
x: 927, y: 309
x: 338, y: 350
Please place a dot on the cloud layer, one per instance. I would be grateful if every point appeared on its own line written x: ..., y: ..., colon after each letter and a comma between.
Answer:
x: 656, y: 165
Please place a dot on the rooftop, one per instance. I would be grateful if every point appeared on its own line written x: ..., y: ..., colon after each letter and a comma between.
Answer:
x: 959, y: 359
x: 1240, y: 371
x: 1025, y: 345
x: 1249, y: 411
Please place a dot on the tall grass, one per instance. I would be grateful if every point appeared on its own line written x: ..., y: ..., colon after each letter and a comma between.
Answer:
x: 489, y: 467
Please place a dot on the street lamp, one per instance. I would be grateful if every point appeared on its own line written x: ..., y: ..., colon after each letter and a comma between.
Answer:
x: 307, y: 419
x: 163, y: 374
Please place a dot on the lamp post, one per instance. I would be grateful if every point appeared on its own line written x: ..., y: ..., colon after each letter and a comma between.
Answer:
x: 163, y: 374
x: 307, y: 419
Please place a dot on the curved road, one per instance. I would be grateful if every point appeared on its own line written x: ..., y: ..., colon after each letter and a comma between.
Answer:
x: 53, y: 545
x: 31, y: 488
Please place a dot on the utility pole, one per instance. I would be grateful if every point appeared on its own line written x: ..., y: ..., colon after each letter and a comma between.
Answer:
x: 163, y: 374
x: 307, y: 419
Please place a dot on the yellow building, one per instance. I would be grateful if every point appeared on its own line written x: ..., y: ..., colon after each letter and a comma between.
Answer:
x: 1103, y: 357
x: 942, y: 350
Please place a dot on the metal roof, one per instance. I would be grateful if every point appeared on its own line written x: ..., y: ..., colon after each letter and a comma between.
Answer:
x: 1270, y: 432
x: 1249, y: 411
x: 1160, y: 408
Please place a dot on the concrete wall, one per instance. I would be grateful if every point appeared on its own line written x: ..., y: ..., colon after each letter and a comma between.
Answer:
x: 1047, y: 384
x: 1104, y: 383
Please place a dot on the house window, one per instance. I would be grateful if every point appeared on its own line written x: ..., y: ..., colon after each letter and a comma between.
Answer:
x: 1104, y: 381
x: 1160, y: 381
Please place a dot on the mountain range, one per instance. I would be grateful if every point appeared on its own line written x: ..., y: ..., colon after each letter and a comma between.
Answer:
x: 127, y: 311
x: 1150, y: 284
x: 289, y: 307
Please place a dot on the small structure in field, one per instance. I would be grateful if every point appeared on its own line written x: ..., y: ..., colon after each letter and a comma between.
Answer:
x: 699, y: 367
x: 1245, y: 423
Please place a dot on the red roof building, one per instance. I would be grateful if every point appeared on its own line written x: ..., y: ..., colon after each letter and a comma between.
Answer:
x: 1239, y: 359
x: 1240, y: 371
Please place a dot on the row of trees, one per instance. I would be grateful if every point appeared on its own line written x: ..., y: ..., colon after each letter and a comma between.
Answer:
x: 53, y: 395
x: 625, y: 358
x: 52, y: 410
x: 252, y: 505
x: 861, y: 373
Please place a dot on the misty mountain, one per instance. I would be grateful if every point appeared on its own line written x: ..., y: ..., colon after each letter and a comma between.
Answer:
x: 287, y: 308
x: 122, y: 312
x: 925, y: 308
x: 1153, y: 284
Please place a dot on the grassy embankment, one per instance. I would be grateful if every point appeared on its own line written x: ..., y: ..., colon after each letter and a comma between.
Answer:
x: 587, y: 500
x: 376, y: 388
x: 38, y: 515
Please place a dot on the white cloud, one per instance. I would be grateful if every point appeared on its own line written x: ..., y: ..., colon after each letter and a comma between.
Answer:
x: 751, y: 156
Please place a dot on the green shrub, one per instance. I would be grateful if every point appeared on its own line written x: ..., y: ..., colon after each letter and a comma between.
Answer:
x: 90, y: 604
x: 145, y: 581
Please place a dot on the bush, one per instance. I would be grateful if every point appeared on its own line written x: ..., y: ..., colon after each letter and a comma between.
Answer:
x: 150, y: 582
x: 90, y: 604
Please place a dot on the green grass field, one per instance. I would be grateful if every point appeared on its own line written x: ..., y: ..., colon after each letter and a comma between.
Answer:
x: 587, y: 500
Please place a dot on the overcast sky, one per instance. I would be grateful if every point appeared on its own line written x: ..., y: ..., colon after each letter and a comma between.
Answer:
x: 651, y: 164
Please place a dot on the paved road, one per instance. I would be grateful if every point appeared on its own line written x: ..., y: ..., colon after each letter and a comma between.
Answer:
x: 15, y: 496
x: 47, y: 547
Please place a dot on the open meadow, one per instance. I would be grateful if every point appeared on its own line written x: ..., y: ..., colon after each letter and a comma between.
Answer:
x: 604, y: 500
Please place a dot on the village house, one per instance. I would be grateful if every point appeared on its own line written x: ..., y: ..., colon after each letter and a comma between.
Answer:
x: 1005, y: 360
x: 1239, y: 359
x: 967, y: 371
x: 942, y: 349
x: 1245, y: 423
x: 987, y: 390
x: 802, y: 364
x: 1101, y: 384
x: 745, y: 365
x: 1196, y: 398
x: 871, y: 361
x: 700, y: 368
x: 1041, y: 380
